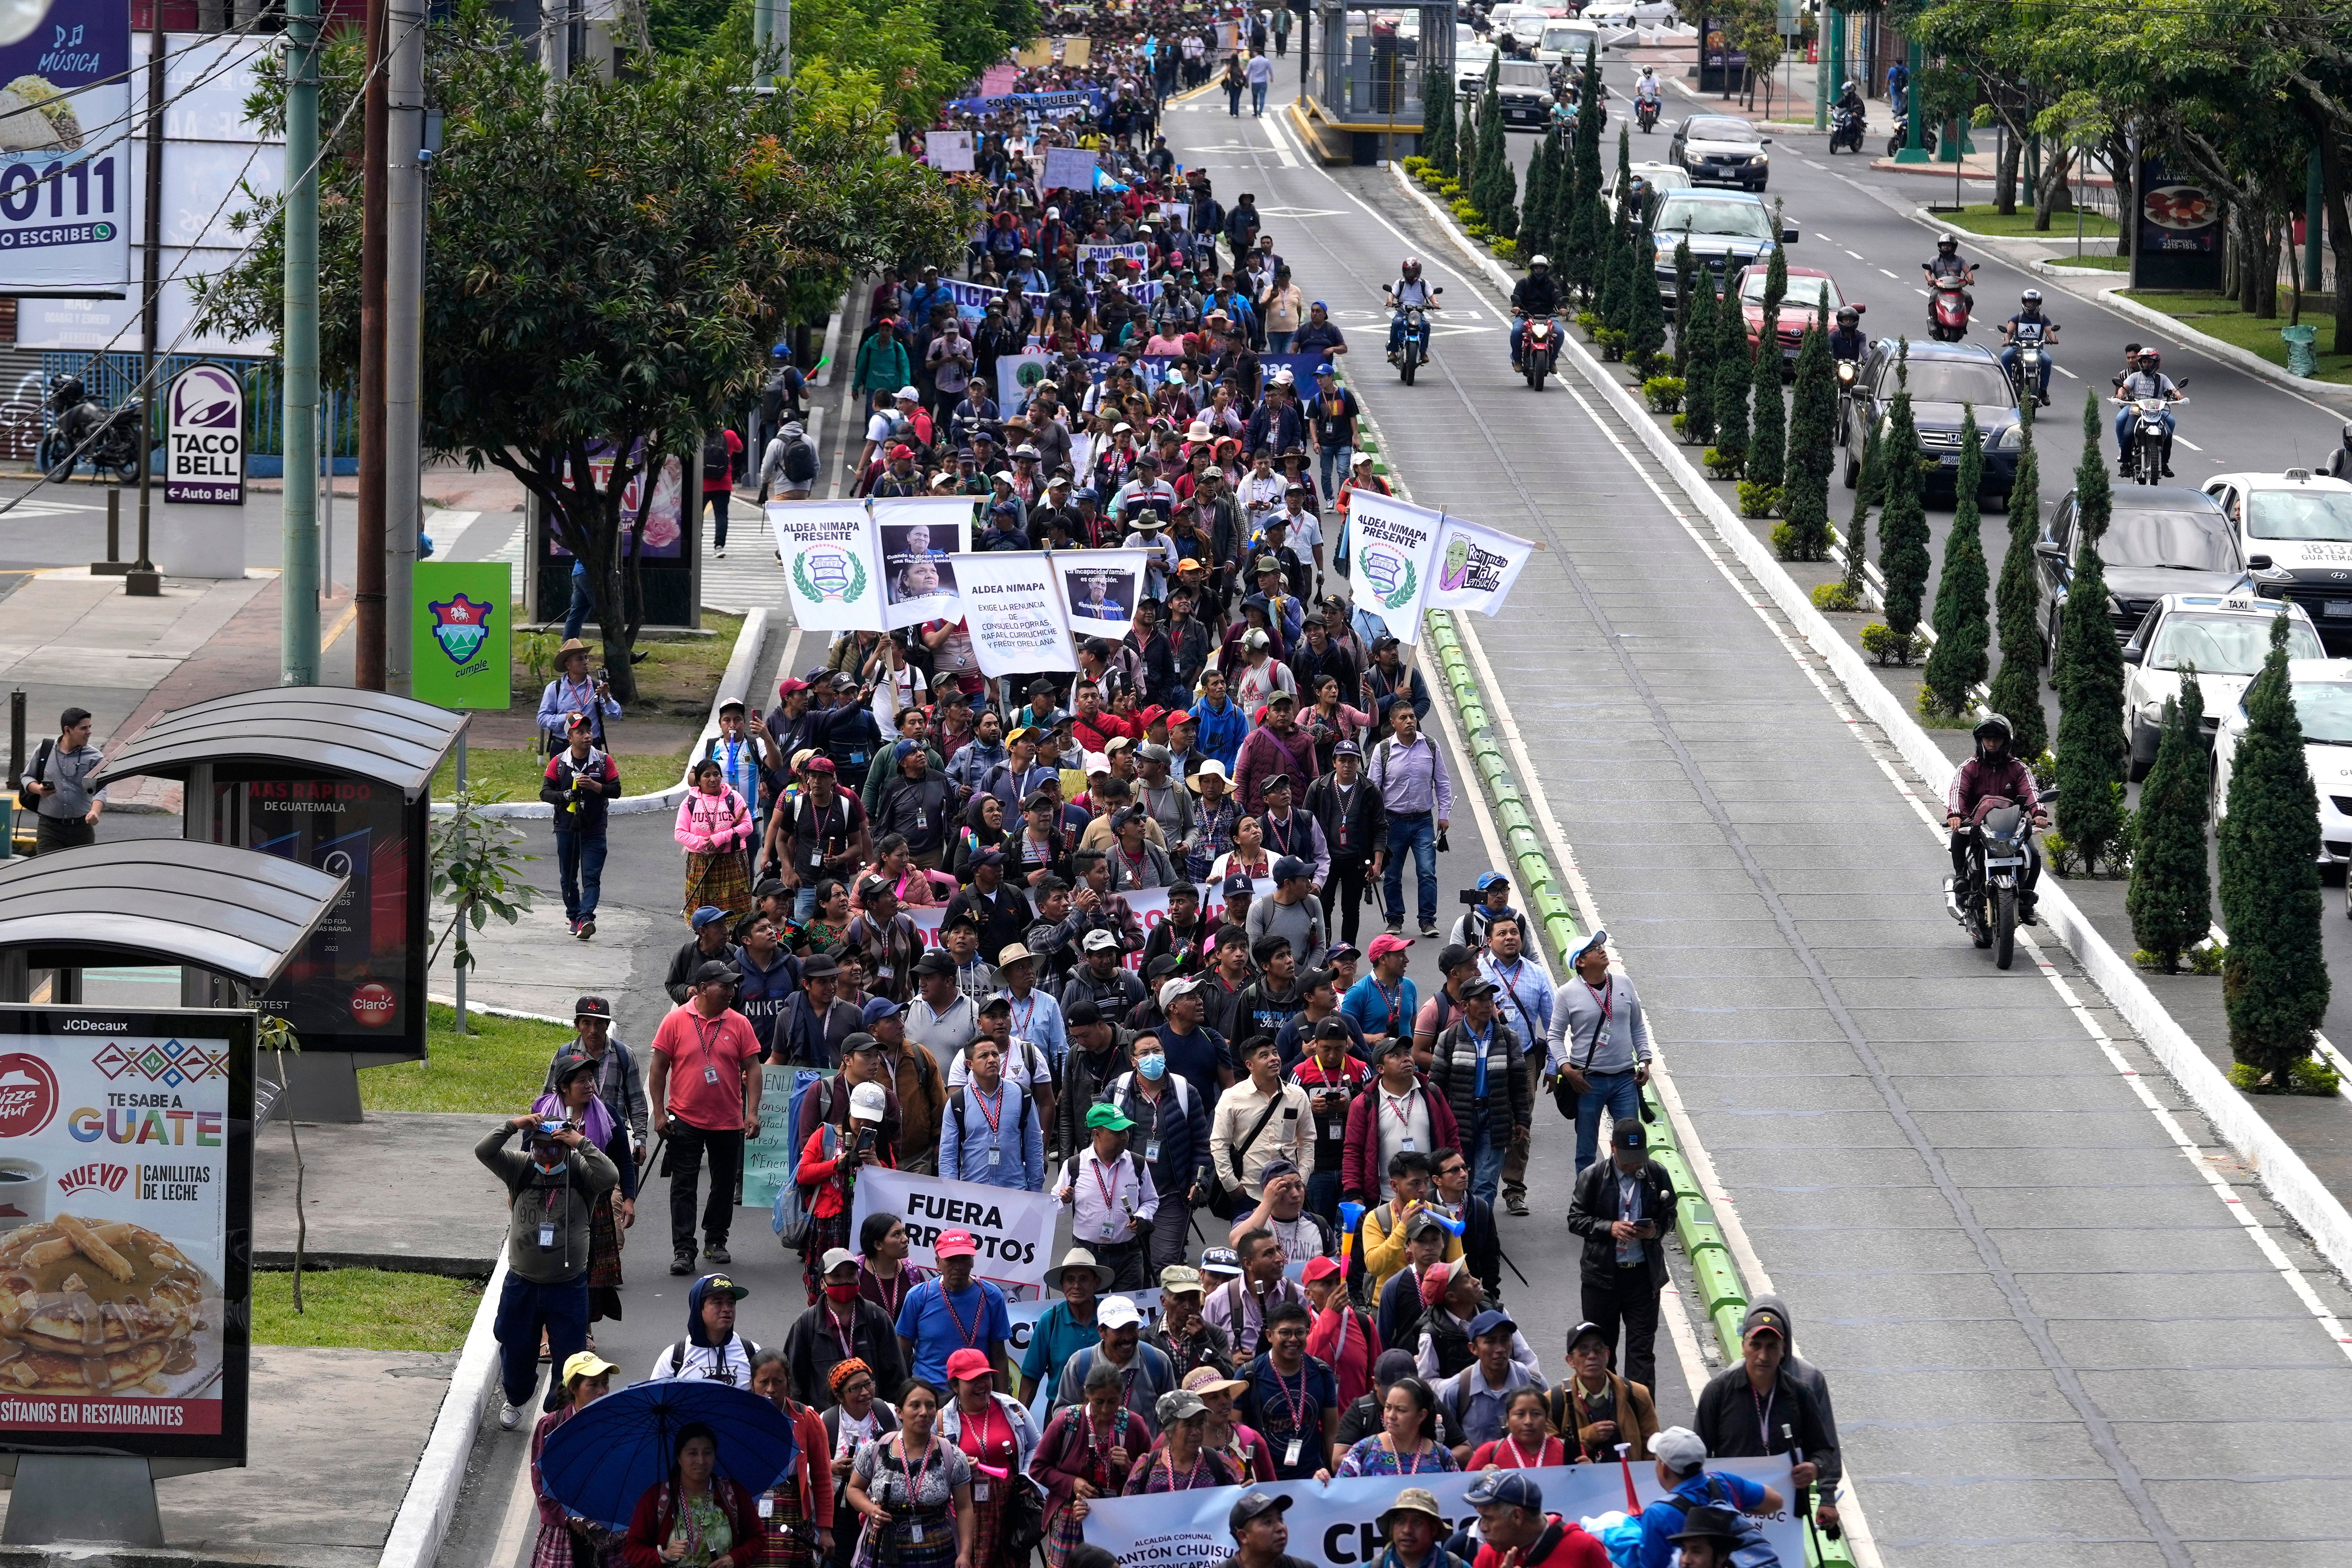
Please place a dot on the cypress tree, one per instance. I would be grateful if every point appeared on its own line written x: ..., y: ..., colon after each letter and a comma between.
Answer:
x: 2090, y: 677
x: 1645, y: 328
x: 1535, y: 220
x: 1497, y: 191
x: 2171, y: 897
x: 1957, y: 662
x: 1903, y: 537
x: 1437, y: 120
x: 2274, y: 980
x: 1587, y: 217
x: 1560, y: 203
x: 1729, y: 379
x: 1698, y: 364
x: 1813, y: 428
x: 2017, y: 686
x: 1855, y: 589
x: 1768, y: 434
x: 1684, y: 281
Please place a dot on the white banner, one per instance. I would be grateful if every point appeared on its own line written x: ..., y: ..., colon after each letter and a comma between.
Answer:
x: 1069, y: 169
x: 1338, y: 1525
x: 1014, y: 1229
x: 949, y: 151
x: 1104, y: 254
x: 1013, y: 608
x: 830, y: 567
x: 1476, y: 567
x: 1100, y: 588
x: 1393, y: 547
x: 916, y: 538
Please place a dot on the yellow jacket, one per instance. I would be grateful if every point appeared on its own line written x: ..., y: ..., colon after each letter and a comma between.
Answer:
x: 1384, y: 1251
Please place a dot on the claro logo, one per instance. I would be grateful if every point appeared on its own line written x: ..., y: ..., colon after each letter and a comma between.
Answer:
x: 372, y: 1004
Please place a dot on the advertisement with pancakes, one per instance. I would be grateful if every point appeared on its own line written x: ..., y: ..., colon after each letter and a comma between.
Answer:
x: 125, y: 1208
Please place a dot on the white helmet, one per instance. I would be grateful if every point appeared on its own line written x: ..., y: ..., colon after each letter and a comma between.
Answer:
x: 1411, y: 268
x: 1539, y: 261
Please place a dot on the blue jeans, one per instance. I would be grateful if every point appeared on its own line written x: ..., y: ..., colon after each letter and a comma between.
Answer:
x: 1279, y: 342
x: 1396, y: 332
x: 1233, y: 100
x: 1487, y: 1160
x: 2124, y: 418
x: 1416, y: 830
x: 524, y: 1308
x: 1257, y: 97
x: 1620, y: 1093
x: 581, y: 605
x: 2009, y: 364
x: 580, y: 862
x: 716, y: 502
x: 1342, y: 457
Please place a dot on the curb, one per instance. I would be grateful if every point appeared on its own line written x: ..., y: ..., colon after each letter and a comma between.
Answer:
x: 2243, y: 358
x: 431, y: 1501
x: 2292, y: 1184
x: 474, y: 1006
x: 735, y: 682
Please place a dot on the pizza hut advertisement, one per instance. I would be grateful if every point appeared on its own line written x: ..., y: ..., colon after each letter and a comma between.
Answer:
x: 125, y: 1204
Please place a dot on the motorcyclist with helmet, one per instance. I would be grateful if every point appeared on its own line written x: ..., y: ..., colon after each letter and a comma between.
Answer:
x: 1535, y: 297
x: 1849, y: 98
x: 1946, y: 263
x: 1995, y: 771
x: 1409, y: 289
x: 2147, y: 380
x: 2028, y: 323
x: 2339, y: 461
x: 1645, y: 89
x: 1846, y: 339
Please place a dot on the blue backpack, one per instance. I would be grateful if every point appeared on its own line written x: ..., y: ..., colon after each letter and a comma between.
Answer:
x: 1749, y: 1549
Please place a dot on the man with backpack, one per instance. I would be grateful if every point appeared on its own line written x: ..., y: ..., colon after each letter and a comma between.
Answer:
x: 1111, y: 1197
x: 719, y: 449
x: 992, y: 1132
x: 788, y: 466
x: 1681, y: 1454
x: 55, y: 788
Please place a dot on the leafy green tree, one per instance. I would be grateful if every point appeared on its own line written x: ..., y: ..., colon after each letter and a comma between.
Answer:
x: 1813, y: 431
x: 2090, y: 674
x: 1645, y: 328
x: 1698, y: 364
x: 1962, y: 632
x: 1495, y: 194
x: 1903, y: 537
x: 1767, y: 428
x: 2274, y: 979
x: 1535, y: 215
x: 2171, y: 897
x: 610, y: 263
x: 2017, y: 685
x: 1437, y: 120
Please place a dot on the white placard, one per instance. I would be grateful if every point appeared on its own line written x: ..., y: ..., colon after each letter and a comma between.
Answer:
x: 1069, y: 169
x: 1475, y: 567
x: 917, y: 538
x: 1013, y: 608
x: 1014, y: 1229
x: 949, y: 151
x: 832, y: 572
x: 1100, y: 588
x: 1394, y: 543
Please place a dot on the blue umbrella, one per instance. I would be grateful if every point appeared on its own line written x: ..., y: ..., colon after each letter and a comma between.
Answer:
x: 599, y: 1463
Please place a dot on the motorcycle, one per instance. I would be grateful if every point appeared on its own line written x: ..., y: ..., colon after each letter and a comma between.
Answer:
x: 1537, y: 349
x: 1846, y: 130
x: 1645, y: 114
x: 1849, y: 374
x: 2032, y: 354
x: 1986, y: 902
x: 2144, y: 438
x: 80, y: 431
x: 1412, y: 346
x: 1947, y: 309
x: 1902, y: 134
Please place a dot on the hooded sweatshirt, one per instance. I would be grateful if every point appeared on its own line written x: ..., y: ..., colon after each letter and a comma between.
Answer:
x: 697, y: 1356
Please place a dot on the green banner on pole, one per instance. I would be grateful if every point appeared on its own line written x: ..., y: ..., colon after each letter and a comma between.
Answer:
x: 462, y: 635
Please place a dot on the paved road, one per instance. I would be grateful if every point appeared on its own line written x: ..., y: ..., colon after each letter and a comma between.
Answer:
x: 2051, y: 1317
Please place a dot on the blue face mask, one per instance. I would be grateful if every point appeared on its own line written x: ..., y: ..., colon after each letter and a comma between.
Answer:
x: 1152, y: 1068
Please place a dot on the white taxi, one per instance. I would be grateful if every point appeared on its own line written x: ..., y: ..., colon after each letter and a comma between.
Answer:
x: 2294, y: 530
x: 2323, y: 702
x: 2224, y: 637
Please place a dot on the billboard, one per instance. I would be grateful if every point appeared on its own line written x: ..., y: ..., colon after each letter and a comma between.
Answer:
x: 126, y: 1212
x: 2178, y: 243
x: 461, y: 652
x: 203, y: 438
x: 66, y: 172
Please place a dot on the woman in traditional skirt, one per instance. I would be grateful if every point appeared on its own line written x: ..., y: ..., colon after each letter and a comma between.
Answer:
x: 914, y: 1492
x: 1088, y: 1452
x: 574, y: 1099
x: 796, y: 1515
x: 714, y: 829
x: 992, y: 1431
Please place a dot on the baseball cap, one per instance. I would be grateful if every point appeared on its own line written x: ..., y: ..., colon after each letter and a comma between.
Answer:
x: 821, y: 765
x: 854, y: 1044
x: 591, y: 1007
x: 868, y: 1102
x: 1180, y: 1277
x: 1347, y: 749
x: 1221, y: 1260
x: 1177, y: 1404
x: 1678, y: 1448
x: 836, y: 1257
x: 1629, y: 1135
x: 969, y: 1362
x: 1387, y: 942
x: 718, y: 1285
x: 1322, y: 1267
x: 1290, y: 865
x: 705, y: 915
x: 1765, y: 1319
x: 953, y: 1243
x: 1256, y: 1505
x: 1239, y: 886
x: 1511, y: 1489
x: 1108, y: 1115
x: 877, y: 1008
x: 1179, y: 985
x: 1484, y: 1323
x: 585, y: 1363
x: 714, y: 970
x: 1117, y: 1313
x: 1099, y: 939
x: 1471, y: 990
x: 1577, y: 1335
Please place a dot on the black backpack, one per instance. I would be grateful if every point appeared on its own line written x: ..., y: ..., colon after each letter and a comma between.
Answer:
x: 800, y: 462
x: 718, y: 462
x: 26, y: 801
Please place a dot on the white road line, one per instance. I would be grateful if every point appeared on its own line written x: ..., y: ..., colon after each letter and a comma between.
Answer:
x: 1889, y: 274
x: 2187, y: 443
x: 2068, y: 375
x: 1809, y: 164
x: 1281, y: 147
x: 1921, y: 292
x: 1855, y: 254
x: 522, y: 1513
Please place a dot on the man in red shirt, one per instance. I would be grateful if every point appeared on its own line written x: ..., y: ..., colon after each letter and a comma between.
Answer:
x: 1519, y: 1534
x: 706, y: 1079
x: 1341, y: 1335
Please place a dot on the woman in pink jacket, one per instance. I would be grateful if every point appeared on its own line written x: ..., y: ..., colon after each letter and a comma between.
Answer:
x: 714, y: 828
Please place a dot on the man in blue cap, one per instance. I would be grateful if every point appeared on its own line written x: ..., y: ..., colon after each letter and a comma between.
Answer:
x: 1599, y: 1041
x: 1517, y: 1532
x: 1333, y: 426
x: 709, y: 944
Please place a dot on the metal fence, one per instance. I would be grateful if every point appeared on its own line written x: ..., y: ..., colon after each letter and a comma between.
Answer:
x: 112, y: 379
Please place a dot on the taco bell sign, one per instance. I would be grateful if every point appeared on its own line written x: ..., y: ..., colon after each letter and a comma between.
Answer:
x: 203, y: 438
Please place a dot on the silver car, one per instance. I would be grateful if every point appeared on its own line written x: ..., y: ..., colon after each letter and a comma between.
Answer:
x: 1717, y: 149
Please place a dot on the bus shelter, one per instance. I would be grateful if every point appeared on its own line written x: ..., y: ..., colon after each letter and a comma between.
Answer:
x: 1364, y: 81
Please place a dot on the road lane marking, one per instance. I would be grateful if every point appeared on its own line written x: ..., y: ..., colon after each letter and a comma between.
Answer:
x: 1855, y: 254
x: 1889, y: 274
x: 2068, y: 375
x: 2187, y: 443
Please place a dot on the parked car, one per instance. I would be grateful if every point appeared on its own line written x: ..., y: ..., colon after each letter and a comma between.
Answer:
x: 1633, y: 13
x: 1725, y: 230
x: 1797, y: 306
x: 2295, y: 529
x: 2160, y: 538
x: 2322, y: 688
x: 2224, y: 637
x: 1945, y: 380
x: 1718, y: 150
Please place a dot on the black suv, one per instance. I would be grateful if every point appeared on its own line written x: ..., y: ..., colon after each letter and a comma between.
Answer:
x: 2160, y: 538
x: 1943, y: 379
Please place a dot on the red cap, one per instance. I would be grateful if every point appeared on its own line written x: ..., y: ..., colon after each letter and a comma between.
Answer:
x: 969, y: 1364
x: 954, y: 1242
x: 1322, y: 1267
x: 790, y: 684
x: 901, y: 450
x: 820, y: 765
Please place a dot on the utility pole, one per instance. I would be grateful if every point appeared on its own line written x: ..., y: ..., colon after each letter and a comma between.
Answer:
x: 142, y: 580
x: 298, y: 584
x: 368, y: 569
x: 404, y: 341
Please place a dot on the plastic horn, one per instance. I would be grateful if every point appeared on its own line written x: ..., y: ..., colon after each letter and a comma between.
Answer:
x: 1625, y: 1463
x: 1351, y: 1219
x: 1453, y: 1226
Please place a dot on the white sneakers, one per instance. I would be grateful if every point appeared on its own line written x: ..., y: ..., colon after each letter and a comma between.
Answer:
x: 509, y: 1416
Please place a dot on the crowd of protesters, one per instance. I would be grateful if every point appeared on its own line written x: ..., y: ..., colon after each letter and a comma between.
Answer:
x: 1275, y: 1131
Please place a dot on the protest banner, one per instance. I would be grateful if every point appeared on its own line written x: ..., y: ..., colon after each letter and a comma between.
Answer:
x: 1475, y: 566
x: 949, y: 151
x: 832, y: 573
x: 1018, y: 375
x: 1099, y: 589
x: 770, y: 1160
x: 1338, y: 1525
x: 1013, y: 1229
x: 1104, y: 254
x: 1394, y: 546
x: 1069, y: 169
x: 1037, y: 105
x: 1013, y: 608
x: 916, y: 538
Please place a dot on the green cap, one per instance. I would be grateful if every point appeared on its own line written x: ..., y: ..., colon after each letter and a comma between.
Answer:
x: 1109, y: 1116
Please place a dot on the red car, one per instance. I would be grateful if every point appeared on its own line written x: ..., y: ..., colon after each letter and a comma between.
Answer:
x: 1797, y: 307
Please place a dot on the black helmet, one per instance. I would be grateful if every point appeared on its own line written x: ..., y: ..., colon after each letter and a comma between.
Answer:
x: 1994, y: 727
x: 1949, y: 242
x: 1849, y: 315
x: 2031, y: 299
x: 2348, y: 432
